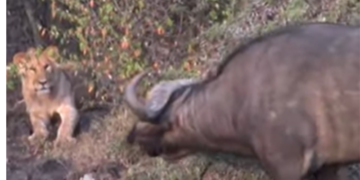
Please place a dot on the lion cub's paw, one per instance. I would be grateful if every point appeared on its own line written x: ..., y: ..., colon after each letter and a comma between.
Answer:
x: 36, y: 138
x: 65, y: 141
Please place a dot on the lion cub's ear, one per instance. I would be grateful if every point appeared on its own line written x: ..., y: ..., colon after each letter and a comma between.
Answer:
x: 51, y: 53
x: 19, y: 60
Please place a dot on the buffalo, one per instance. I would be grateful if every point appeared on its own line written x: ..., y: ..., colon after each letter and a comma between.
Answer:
x: 289, y: 98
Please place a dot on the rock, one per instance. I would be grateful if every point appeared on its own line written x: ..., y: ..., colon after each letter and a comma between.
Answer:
x: 88, y: 176
x: 18, y: 175
x: 50, y: 169
x: 112, y: 169
x: 106, y: 171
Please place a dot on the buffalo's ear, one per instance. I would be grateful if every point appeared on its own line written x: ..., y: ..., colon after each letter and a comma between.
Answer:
x: 19, y: 60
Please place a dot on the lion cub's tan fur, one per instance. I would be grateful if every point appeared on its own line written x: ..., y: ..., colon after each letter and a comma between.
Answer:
x: 47, y: 89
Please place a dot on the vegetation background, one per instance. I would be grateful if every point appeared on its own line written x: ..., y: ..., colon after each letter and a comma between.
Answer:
x: 104, y: 42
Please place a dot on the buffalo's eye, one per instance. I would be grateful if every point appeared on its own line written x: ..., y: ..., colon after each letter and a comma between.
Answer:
x: 153, y: 151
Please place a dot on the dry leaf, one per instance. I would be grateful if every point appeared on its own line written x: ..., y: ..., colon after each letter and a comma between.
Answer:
x: 84, y: 51
x: 42, y: 32
x: 103, y: 32
x: 106, y: 60
x: 53, y: 6
x: 90, y: 88
x: 155, y: 65
x: 121, y: 89
x: 126, y: 31
x: 160, y: 31
x: 91, y: 3
x: 124, y: 44
x: 187, y: 66
x: 137, y: 53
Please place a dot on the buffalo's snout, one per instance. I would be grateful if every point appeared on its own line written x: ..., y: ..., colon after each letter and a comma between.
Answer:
x: 130, y: 138
x: 148, y: 137
x: 151, y: 139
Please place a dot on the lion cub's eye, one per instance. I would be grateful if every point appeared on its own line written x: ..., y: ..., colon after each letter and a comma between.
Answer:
x: 32, y: 69
x: 47, y: 67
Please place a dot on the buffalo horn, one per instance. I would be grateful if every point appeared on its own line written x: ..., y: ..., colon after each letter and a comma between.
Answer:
x: 132, y: 100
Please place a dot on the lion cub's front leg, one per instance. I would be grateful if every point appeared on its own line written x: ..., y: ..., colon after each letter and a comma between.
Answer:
x: 69, y: 119
x: 40, y: 123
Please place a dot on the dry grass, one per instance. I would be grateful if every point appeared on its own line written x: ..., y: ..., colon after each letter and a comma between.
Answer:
x: 104, y: 142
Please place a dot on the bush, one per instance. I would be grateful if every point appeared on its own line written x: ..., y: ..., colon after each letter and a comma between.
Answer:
x: 129, y: 35
x: 116, y: 38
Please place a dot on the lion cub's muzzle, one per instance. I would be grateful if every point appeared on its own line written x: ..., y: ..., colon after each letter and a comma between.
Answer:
x: 43, y: 87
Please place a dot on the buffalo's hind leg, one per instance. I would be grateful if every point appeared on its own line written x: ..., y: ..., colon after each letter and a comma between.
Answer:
x: 282, y: 157
x: 282, y: 169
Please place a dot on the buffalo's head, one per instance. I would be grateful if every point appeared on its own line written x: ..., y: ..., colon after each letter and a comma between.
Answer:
x: 158, y: 133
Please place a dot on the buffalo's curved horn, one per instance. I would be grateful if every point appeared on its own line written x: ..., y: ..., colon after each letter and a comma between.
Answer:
x: 132, y: 100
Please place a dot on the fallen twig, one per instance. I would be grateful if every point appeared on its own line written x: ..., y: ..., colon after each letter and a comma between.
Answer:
x: 203, y: 172
x: 16, y: 105
x: 33, y: 24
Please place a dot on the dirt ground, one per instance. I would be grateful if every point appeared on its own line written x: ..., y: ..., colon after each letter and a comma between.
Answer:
x: 102, y: 152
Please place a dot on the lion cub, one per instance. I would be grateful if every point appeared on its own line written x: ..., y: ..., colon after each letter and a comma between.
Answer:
x: 47, y: 89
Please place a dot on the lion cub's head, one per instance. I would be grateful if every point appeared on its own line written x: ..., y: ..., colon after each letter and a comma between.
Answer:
x: 39, y: 71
